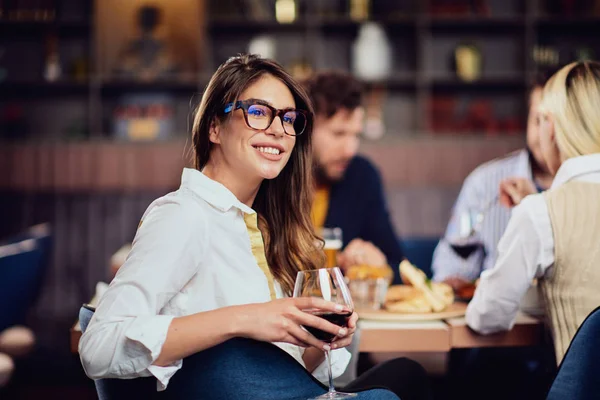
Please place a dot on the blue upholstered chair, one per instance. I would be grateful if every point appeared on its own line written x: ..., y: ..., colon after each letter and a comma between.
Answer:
x: 23, y: 262
x: 419, y: 251
x: 578, y: 376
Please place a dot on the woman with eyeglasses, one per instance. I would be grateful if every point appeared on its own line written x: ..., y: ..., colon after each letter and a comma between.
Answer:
x: 218, y: 258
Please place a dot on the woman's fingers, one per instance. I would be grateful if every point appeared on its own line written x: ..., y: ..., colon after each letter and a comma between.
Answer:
x: 338, y: 344
x: 305, y: 337
x: 317, y: 322
x: 352, y: 322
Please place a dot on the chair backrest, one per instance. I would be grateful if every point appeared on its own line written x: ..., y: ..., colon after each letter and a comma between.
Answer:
x: 419, y: 251
x: 577, y: 377
x: 23, y: 261
x: 109, y: 389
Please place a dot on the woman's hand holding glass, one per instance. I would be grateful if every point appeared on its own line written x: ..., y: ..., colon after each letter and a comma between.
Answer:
x: 282, y: 320
x: 344, y: 341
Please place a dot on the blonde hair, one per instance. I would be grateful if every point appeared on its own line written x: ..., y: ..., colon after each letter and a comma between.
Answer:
x: 572, y: 97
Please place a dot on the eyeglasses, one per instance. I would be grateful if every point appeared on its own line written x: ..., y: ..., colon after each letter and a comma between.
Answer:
x: 259, y: 116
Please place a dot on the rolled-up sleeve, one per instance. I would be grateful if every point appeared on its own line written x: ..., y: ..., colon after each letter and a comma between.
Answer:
x: 127, y: 332
x: 340, y: 358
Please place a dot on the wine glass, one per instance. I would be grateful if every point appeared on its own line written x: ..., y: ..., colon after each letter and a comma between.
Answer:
x: 328, y: 284
x: 464, y: 239
x: 469, y: 221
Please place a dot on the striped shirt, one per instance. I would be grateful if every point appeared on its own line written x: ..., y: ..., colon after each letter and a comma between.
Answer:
x: 480, y: 187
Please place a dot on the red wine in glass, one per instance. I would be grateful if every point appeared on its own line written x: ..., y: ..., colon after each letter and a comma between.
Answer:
x: 464, y: 250
x: 340, y: 320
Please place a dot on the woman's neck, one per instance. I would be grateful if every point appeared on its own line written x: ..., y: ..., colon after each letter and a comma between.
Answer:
x: 243, y: 189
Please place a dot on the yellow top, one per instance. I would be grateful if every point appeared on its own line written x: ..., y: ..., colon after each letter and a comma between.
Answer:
x: 320, y: 206
x: 258, y: 250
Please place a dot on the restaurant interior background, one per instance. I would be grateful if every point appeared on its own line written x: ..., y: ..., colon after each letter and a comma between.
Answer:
x: 95, y: 117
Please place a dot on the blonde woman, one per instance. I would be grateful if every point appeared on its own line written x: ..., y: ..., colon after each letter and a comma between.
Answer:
x: 554, y: 236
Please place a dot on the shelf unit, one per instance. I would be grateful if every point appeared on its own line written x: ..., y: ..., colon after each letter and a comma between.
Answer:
x: 80, y: 107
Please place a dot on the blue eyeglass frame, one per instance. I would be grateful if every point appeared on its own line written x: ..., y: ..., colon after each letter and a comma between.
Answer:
x: 275, y: 112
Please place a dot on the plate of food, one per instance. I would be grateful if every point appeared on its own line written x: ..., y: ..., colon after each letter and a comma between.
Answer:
x: 418, y: 300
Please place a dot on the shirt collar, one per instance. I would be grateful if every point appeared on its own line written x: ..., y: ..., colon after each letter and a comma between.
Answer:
x: 211, y: 191
x: 576, y: 167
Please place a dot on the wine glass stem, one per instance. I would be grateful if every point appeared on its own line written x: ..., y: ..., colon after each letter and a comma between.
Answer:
x: 328, y: 357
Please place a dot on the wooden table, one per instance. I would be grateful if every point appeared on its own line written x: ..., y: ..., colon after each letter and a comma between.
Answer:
x: 425, y: 336
x: 527, y: 331
x: 444, y: 335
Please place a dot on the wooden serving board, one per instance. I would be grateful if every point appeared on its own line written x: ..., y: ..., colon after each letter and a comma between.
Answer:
x: 456, y: 309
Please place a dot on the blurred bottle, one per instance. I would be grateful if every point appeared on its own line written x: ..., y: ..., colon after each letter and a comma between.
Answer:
x: 360, y: 9
x: 52, y: 70
x: 263, y: 45
x: 285, y: 11
x: 468, y: 61
x: 372, y: 53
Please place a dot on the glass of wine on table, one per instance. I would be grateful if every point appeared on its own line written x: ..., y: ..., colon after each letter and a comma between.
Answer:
x: 328, y: 284
x: 465, y: 239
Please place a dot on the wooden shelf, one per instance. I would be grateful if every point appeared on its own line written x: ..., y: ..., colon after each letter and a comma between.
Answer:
x: 516, y: 82
x: 118, y: 86
x: 73, y: 26
x: 321, y: 36
x: 36, y: 88
x: 477, y: 22
x: 577, y: 23
x: 396, y: 82
x: 481, y: 26
x: 223, y: 24
x: 347, y: 22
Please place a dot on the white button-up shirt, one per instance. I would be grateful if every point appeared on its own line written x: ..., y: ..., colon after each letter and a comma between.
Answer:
x: 525, y: 252
x: 191, y: 253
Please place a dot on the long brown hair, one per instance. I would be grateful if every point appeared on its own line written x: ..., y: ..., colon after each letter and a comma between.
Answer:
x: 283, y: 203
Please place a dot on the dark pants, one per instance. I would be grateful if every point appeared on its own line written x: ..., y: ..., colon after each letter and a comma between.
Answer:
x: 405, y: 377
x: 240, y: 369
